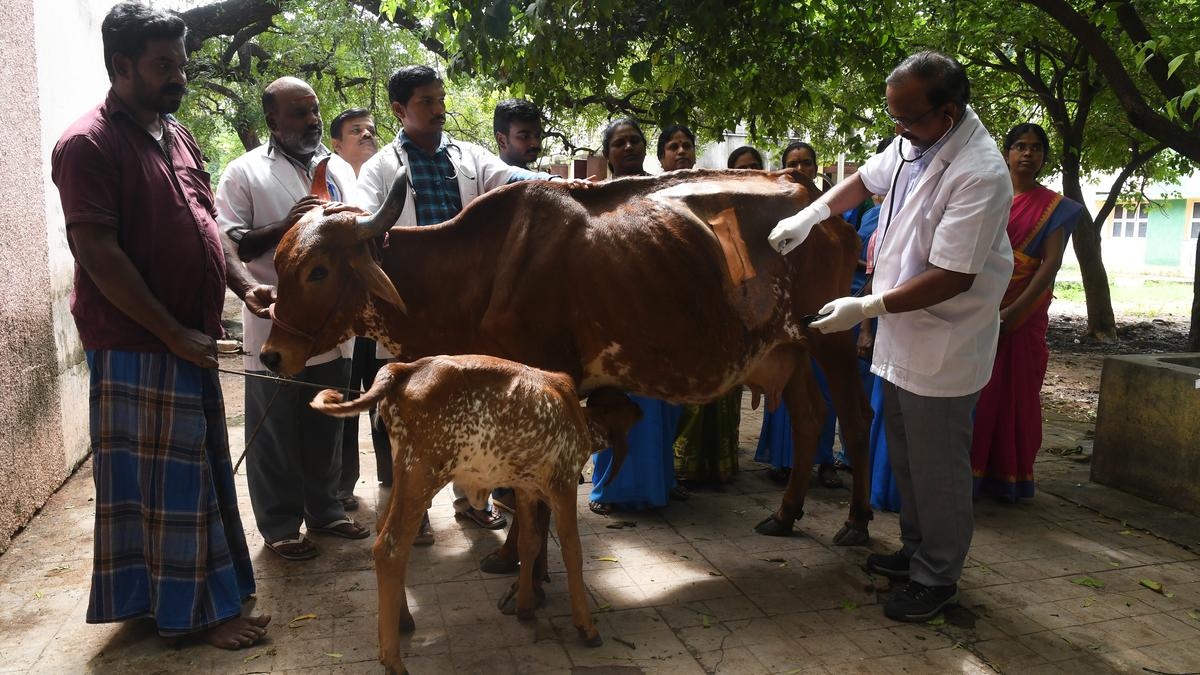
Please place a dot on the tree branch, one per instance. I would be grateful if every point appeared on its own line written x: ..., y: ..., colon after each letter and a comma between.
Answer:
x: 1182, y: 139
x: 226, y: 17
x: 1136, y: 160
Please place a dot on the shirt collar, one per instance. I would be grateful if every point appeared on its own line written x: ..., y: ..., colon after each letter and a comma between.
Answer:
x: 408, y: 144
x: 114, y: 106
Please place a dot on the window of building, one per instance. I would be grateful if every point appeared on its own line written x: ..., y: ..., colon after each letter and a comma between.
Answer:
x: 1130, y: 220
x: 1196, y: 220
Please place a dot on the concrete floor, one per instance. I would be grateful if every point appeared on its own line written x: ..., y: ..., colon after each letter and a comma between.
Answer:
x: 691, y: 590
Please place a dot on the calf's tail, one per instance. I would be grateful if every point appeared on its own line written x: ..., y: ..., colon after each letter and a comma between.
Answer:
x: 332, y: 402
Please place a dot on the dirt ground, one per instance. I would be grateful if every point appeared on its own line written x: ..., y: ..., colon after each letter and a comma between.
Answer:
x: 1072, y: 386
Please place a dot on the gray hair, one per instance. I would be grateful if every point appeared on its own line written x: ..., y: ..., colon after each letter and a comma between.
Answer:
x: 945, y: 77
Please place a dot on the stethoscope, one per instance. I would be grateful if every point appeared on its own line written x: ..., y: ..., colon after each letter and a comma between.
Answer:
x: 469, y: 175
x: 896, y: 179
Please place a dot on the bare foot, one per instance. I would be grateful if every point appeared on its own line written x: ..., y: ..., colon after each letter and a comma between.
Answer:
x: 238, y: 632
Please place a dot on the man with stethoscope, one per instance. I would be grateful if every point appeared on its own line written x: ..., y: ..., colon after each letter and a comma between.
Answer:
x: 942, y: 261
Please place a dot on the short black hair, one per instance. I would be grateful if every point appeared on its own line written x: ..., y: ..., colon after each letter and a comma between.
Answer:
x: 404, y: 81
x: 514, y: 110
x: 744, y: 150
x: 128, y: 26
x: 884, y: 144
x: 797, y: 145
x: 335, y: 127
x: 668, y: 133
x: 945, y: 76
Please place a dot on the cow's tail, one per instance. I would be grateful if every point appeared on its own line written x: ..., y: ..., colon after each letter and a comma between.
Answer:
x: 332, y: 402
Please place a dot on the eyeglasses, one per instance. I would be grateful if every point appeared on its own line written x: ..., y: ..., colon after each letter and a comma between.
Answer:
x: 907, y: 124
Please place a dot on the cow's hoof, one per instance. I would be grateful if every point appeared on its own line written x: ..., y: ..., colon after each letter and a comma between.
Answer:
x: 774, y: 527
x: 392, y: 671
x: 594, y: 640
x: 407, y: 625
x: 850, y: 535
x: 494, y: 564
x: 508, y: 602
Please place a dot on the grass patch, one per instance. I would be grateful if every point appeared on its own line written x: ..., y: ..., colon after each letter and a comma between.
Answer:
x: 1148, y: 298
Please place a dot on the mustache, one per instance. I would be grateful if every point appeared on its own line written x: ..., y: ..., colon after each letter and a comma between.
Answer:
x: 439, y: 118
x: 173, y: 89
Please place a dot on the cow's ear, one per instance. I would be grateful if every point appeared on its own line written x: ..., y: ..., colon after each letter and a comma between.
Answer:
x: 378, y: 283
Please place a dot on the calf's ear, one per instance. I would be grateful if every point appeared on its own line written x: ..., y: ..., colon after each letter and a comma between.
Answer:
x: 378, y: 283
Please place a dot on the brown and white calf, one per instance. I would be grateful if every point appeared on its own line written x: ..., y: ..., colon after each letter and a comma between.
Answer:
x: 482, y: 421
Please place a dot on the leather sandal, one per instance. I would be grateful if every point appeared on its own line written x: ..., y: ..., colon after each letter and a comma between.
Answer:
x: 295, y: 548
x: 343, y: 527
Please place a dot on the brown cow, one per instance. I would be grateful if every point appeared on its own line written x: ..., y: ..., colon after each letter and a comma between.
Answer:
x: 664, y: 286
x: 482, y: 421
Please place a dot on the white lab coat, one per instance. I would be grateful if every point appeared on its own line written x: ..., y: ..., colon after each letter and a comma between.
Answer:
x: 955, y: 219
x: 257, y: 189
x: 478, y: 171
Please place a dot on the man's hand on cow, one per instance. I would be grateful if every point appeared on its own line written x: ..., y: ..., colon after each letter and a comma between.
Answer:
x: 793, y: 230
x: 306, y: 204
x: 338, y: 207
x: 258, y: 300
x: 580, y: 183
x: 194, y: 347
x: 845, y: 313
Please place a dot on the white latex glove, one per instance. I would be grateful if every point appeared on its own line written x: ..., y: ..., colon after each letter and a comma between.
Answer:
x: 793, y: 230
x: 845, y: 313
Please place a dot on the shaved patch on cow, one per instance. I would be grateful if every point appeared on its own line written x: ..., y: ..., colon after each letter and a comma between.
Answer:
x: 737, y: 261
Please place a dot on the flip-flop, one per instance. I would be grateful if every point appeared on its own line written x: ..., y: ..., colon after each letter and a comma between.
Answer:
x: 343, y: 527
x: 491, y: 519
x: 296, y: 548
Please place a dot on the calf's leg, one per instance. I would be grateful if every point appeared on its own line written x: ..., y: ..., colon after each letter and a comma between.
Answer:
x: 566, y: 521
x: 391, y: 550
x: 528, y: 544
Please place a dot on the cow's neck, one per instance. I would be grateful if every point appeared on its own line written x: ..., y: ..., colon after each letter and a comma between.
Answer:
x: 444, y: 273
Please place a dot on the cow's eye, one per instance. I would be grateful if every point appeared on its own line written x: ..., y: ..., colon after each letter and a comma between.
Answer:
x: 318, y: 273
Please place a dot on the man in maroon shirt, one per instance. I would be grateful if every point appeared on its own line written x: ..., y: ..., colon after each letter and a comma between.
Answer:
x: 150, y: 277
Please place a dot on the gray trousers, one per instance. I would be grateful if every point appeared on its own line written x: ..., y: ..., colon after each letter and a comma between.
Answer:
x: 929, y: 443
x: 293, y: 465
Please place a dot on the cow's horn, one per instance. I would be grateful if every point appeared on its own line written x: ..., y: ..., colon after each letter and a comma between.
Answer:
x: 369, y: 227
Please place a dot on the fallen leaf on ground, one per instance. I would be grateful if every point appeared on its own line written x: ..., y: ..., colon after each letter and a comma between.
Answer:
x: 1114, y: 563
x: 621, y: 524
x: 773, y: 560
x: 605, y: 558
x: 714, y: 574
x: 1089, y: 601
x: 849, y: 606
x: 1152, y: 585
x: 704, y: 621
x: 604, y: 605
x: 335, y: 655
x: 1194, y: 614
x: 1127, y: 533
x: 269, y: 651
x: 299, y: 621
x: 938, y: 620
x: 37, y: 594
x: 685, y: 557
x: 1090, y: 582
x: 627, y: 643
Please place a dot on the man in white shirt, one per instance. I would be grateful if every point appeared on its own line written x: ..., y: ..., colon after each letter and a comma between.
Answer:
x: 942, y: 262
x: 294, y: 459
x: 353, y: 138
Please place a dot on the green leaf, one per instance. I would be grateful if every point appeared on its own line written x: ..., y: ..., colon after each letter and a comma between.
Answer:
x: 1174, y: 64
x: 639, y: 72
x: 1194, y: 614
x: 938, y: 620
x: 704, y: 621
x: 1152, y: 585
x: 849, y: 606
x: 1090, y: 582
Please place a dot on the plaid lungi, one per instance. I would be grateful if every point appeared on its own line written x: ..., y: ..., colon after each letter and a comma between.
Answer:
x: 169, y: 543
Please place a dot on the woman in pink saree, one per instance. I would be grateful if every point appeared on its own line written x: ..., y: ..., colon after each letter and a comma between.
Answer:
x: 1008, y: 417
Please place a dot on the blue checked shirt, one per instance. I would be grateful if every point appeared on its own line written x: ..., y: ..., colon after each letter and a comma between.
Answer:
x: 433, y: 178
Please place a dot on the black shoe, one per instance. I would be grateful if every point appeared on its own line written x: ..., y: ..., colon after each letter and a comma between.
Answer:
x: 892, y: 565
x: 915, y: 602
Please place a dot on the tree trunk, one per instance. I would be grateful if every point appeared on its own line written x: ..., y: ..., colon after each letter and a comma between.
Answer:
x: 1102, y: 324
x: 1194, y: 336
